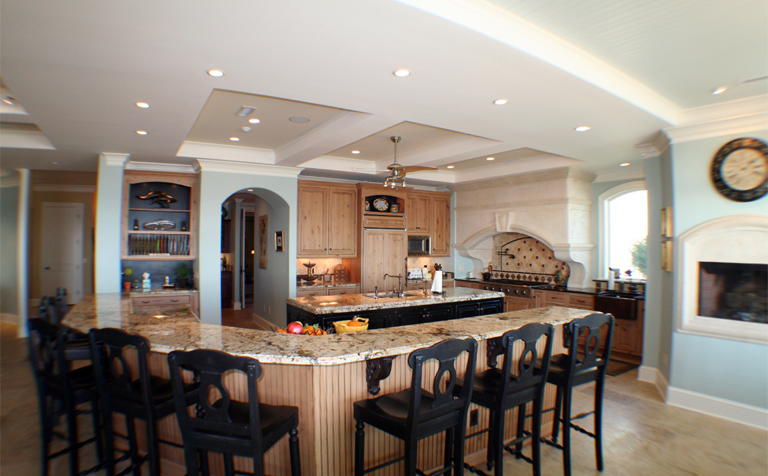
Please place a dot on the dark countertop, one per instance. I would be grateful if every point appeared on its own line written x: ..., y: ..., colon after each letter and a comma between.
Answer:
x: 550, y: 287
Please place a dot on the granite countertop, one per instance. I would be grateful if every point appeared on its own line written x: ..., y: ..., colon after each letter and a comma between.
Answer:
x: 361, y: 302
x: 547, y: 287
x: 177, y: 328
x: 326, y: 285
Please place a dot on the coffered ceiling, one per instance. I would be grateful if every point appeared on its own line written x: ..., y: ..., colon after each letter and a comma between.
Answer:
x: 75, y: 70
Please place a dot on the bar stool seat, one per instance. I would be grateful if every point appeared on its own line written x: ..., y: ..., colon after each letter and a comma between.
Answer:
x: 415, y: 413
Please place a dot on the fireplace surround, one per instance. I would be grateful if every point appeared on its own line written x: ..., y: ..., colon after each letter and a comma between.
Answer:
x: 732, y: 245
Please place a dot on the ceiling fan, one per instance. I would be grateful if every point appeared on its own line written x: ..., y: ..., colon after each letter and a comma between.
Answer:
x: 397, y: 171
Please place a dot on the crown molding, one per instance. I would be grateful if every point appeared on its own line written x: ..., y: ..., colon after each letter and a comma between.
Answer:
x: 530, y: 177
x: 114, y: 159
x: 655, y: 147
x: 207, y: 165
x: 615, y: 176
x: 733, y: 117
x: 202, y: 150
x: 158, y: 167
x: 64, y: 188
x: 726, y: 110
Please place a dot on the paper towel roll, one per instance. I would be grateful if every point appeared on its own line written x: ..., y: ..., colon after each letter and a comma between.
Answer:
x: 437, y: 282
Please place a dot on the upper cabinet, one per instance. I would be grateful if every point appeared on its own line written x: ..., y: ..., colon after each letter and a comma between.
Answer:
x: 159, y: 216
x: 429, y: 213
x: 327, y: 220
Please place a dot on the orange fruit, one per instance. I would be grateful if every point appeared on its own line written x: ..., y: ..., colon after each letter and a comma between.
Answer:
x: 354, y: 323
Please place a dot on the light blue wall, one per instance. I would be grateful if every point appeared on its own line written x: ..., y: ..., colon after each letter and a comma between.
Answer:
x: 722, y: 368
x: 281, y: 194
x: 109, y: 200
x: 9, y: 208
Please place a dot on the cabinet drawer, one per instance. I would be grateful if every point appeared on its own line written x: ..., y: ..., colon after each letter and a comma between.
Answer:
x: 161, y: 300
x: 372, y: 221
x: 581, y: 301
x: 311, y: 292
x: 343, y: 291
x: 555, y: 299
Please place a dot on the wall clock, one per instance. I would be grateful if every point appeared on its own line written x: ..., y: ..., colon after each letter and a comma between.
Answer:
x: 740, y: 169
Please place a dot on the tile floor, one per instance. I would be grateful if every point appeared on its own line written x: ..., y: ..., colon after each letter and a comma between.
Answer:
x: 643, y: 436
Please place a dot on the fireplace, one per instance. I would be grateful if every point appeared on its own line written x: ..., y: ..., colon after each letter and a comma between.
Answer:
x: 737, y: 291
x: 722, y: 277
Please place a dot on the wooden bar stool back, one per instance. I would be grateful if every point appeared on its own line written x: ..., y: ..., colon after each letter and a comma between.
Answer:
x: 226, y: 425
x: 126, y: 387
x: 520, y: 381
x: 60, y: 390
x: 588, y: 340
x: 416, y: 413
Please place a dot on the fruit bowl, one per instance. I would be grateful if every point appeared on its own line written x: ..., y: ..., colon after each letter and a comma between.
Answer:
x: 343, y: 326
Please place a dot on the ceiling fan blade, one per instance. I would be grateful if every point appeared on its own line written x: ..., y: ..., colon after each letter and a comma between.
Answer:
x: 416, y: 168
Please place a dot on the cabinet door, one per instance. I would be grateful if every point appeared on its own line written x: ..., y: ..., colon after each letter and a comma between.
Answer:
x: 467, y: 309
x: 517, y: 304
x: 384, y: 252
x: 407, y: 316
x: 437, y: 313
x: 342, y: 224
x: 441, y: 233
x: 312, y: 235
x: 538, y: 298
x: 490, y: 307
x: 418, y: 214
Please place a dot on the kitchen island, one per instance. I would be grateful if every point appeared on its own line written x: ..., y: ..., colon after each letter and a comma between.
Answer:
x: 389, y: 310
x: 322, y: 375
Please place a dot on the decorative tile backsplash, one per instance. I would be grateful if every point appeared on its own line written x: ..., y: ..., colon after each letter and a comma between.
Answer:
x: 525, y: 258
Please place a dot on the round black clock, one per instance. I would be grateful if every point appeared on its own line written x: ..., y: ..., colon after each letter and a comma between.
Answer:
x: 740, y: 169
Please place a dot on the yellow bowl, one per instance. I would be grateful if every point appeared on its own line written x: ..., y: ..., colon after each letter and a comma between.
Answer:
x: 341, y: 326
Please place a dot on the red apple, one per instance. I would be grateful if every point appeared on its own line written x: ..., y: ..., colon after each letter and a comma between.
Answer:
x: 295, y: 328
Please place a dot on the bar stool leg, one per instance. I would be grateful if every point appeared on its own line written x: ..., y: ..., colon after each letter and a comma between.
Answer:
x: 458, y: 450
x: 74, y: 451
x: 359, y: 448
x: 567, y: 432
x: 599, y: 389
x: 558, y: 413
x: 153, y: 447
x: 229, y: 465
x: 490, y: 451
x: 293, y: 447
x: 448, y: 456
x: 520, y: 430
x: 109, y: 439
x: 497, y: 428
x: 133, y: 449
x: 98, y: 427
x: 411, y: 452
x: 536, y: 436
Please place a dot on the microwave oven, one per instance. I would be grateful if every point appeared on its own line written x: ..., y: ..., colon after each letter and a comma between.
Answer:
x: 418, y: 245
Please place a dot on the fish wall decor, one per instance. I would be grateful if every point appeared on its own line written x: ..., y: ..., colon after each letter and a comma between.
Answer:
x: 162, y: 198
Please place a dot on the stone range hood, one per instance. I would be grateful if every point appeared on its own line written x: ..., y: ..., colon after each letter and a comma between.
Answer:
x: 552, y: 206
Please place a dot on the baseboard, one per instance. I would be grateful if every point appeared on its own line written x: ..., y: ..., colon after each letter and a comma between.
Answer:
x: 263, y: 324
x: 9, y: 318
x: 718, y: 407
x: 654, y: 376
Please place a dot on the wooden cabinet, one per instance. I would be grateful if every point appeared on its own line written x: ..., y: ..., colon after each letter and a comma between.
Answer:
x: 311, y: 292
x: 384, y: 253
x: 226, y: 289
x: 419, y: 214
x: 327, y: 214
x: 429, y: 213
x: 517, y: 304
x: 441, y: 232
x: 334, y: 291
x: 326, y: 291
x: 166, y: 299
x: 159, y: 216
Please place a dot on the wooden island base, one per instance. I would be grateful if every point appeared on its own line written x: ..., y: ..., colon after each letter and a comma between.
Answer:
x: 323, y: 376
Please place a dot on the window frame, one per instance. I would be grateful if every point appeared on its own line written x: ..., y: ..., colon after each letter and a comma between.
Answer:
x: 603, y: 200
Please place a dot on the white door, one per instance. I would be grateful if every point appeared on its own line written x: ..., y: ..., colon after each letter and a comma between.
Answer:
x: 63, y: 249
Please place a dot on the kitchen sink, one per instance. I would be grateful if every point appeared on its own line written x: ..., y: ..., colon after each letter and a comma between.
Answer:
x: 381, y: 295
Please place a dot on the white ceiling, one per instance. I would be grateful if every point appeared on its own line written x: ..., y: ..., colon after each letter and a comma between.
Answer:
x: 626, y: 68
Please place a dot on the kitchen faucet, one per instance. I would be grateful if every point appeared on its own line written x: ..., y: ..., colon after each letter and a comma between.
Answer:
x: 400, y: 292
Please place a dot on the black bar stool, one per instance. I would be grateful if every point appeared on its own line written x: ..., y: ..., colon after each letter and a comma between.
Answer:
x: 521, y: 380
x: 131, y: 391
x: 60, y: 390
x: 415, y: 413
x: 588, y: 340
x: 225, y: 425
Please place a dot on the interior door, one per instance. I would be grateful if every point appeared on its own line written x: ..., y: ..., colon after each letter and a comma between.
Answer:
x: 62, y: 256
x: 243, y: 257
x: 384, y: 252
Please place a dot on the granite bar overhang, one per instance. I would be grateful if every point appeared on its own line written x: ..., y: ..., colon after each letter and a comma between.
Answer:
x: 171, y: 328
x: 361, y: 302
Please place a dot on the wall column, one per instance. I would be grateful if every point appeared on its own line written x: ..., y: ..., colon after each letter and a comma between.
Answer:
x: 237, y: 266
x: 109, y: 199
x: 22, y: 252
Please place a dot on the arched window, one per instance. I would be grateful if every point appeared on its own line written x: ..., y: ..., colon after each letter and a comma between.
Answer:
x: 623, y: 216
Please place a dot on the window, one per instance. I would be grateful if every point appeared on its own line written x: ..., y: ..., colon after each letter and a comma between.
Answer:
x: 623, y: 229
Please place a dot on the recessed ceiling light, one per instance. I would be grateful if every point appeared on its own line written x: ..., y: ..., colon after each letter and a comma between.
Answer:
x: 450, y: 166
x: 355, y: 151
x: 720, y: 90
x: 216, y: 73
x: 142, y: 105
x: 245, y: 129
x: 250, y: 190
x: 624, y: 164
x: 298, y: 119
x: 254, y: 121
x: 8, y: 101
x: 490, y: 158
x: 500, y: 102
x: 582, y: 128
x: 402, y: 73
x: 234, y: 139
x: 141, y: 133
